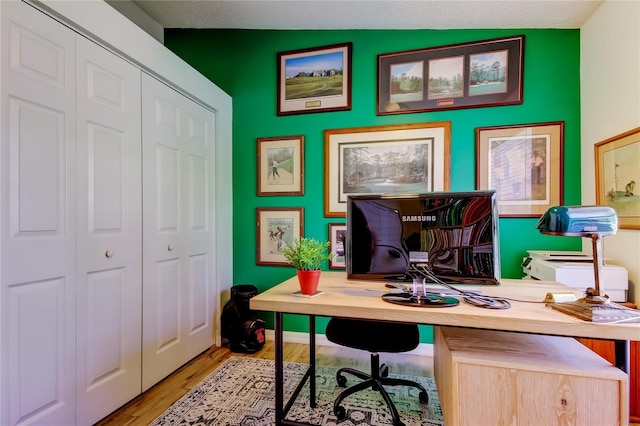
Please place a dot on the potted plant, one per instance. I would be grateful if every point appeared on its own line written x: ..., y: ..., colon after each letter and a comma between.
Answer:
x: 307, y: 255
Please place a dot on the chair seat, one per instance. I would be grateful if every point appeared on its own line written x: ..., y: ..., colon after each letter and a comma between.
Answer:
x: 373, y: 336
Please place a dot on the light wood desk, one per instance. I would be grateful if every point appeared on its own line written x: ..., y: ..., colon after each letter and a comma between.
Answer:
x: 362, y: 299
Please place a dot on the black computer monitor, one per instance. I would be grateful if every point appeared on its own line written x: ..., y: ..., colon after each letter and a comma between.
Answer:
x: 453, y: 235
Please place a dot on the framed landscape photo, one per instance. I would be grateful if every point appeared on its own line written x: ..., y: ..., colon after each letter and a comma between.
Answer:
x: 617, y: 173
x: 407, y: 158
x: 467, y: 75
x: 337, y: 245
x: 314, y: 80
x: 281, y: 165
x: 276, y: 228
x: 524, y: 165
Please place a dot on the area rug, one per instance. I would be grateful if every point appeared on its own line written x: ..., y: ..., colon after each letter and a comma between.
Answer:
x: 241, y: 393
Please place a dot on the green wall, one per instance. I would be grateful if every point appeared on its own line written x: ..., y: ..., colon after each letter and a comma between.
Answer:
x: 244, y: 64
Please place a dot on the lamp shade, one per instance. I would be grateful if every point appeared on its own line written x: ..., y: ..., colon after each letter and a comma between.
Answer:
x: 579, y: 221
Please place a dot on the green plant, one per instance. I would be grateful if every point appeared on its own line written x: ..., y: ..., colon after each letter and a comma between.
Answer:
x: 307, y: 253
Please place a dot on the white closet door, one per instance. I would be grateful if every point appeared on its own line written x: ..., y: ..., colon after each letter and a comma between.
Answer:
x: 109, y: 302
x: 38, y: 210
x: 178, y: 239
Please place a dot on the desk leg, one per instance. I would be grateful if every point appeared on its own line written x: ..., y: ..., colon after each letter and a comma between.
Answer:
x: 312, y: 360
x: 622, y: 351
x: 279, y: 349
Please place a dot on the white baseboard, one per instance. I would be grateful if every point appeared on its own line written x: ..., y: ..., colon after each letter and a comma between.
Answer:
x: 424, y: 349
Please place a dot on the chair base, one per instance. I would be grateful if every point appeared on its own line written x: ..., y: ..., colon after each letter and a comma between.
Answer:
x: 376, y: 381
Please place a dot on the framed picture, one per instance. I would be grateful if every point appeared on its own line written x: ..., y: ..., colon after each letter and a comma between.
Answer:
x: 408, y: 158
x: 281, y: 166
x: 617, y: 172
x: 470, y: 75
x: 314, y: 80
x: 337, y: 245
x: 524, y: 164
x: 276, y: 228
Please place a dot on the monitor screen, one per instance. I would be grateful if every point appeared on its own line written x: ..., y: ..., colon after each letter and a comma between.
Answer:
x: 452, y: 234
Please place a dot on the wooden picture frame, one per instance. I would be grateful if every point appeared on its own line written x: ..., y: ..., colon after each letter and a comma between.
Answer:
x: 524, y: 164
x: 406, y: 158
x: 617, y: 172
x: 317, y: 79
x: 275, y: 228
x: 337, y: 245
x: 281, y: 165
x: 466, y: 75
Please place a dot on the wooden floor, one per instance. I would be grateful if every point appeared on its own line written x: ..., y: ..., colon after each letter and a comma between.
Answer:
x: 146, y: 407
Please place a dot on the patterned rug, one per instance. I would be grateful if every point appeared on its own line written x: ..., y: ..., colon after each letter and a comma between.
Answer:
x: 241, y: 393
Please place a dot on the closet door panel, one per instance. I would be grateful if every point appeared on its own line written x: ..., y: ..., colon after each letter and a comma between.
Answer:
x: 37, y: 219
x: 38, y: 390
x: 199, y: 295
x: 109, y: 191
x: 178, y: 296
x: 168, y: 295
x: 168, y: 190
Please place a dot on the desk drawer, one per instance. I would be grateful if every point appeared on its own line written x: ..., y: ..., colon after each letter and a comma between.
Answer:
x: 501, y: 378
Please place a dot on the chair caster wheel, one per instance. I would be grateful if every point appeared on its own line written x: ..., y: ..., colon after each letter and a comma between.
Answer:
x: 384, y: 370
x: 424, y: 398
x: 342, y: 381
x: 340, y: 412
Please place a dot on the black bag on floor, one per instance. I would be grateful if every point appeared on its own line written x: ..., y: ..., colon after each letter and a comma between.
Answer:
x: 240, y: 325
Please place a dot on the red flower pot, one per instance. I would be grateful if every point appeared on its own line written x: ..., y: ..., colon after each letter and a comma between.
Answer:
x: 308, y: 281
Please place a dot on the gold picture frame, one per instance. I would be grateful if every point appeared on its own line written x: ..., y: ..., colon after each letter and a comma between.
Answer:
x: 617, y: 172
x: 406, y: 158
x: 281, y: 165
x: 524, y: 163
x: 277, y: 227
x: 337, y: 245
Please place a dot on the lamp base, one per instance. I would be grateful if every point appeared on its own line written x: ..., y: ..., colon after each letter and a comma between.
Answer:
x: 593, y: 297
x: 597, y: 312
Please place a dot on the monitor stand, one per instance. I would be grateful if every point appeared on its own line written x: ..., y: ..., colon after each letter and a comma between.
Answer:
x: 422, y: 301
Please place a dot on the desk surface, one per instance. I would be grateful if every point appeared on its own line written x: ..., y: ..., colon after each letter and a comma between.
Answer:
x: 362, y: 299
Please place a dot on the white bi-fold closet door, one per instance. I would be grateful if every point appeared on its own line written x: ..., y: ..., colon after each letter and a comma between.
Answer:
x: 178, y: 158
x: 71, y: 301
x: 72, y: 225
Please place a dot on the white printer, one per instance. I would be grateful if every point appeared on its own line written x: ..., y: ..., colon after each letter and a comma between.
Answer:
x: 575, y: 269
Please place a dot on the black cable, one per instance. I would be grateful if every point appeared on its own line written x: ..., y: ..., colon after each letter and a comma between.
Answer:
x: 487, y: 302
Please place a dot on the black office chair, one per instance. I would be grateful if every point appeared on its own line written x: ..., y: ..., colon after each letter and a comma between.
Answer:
x: 373, y: 336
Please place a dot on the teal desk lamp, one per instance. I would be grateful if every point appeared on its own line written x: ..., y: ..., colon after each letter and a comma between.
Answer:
x: 592, y: 222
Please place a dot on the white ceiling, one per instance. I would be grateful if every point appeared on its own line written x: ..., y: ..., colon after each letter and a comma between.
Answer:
x: 369, y: 14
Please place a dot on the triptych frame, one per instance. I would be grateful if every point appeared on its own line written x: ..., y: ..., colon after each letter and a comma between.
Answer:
x: 467, y: 75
